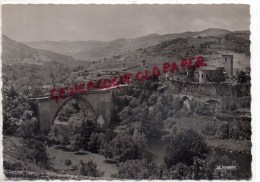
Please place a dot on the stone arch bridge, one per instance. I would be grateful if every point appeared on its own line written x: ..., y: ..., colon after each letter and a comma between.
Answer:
x: 98, y: 103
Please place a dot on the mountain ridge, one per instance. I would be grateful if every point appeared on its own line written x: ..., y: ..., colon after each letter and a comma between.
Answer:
x: 95, y: 50
x: 16, y: 52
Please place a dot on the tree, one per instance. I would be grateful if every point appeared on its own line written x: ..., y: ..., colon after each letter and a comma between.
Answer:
x: 65, y: 140
x: 55, y: 132
x: 89, y: 169
x: 179, y: 171
x: 67, y: 163
x: 140, y: 139
x: 52, y: 77
x: 184, y: 147
x: 208, y: 168
x: 95, y: 142
x: 76, y: 133
x: 34, y: 150
x: 122, y: 148
x: 87, y: 127
x: 76, y: 142
x: 18, y: 116
x: 220, y: 77
x: 241, y: 77
x: 9, y: 124
x: 28, y: 127
x: 137, y: 169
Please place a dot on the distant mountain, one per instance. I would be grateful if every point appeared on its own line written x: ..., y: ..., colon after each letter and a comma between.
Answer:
x: 96, y: 50
x: 16, y: 52
x: 55, y: 56
x: 93, y: 50
x: 13, y: 49
x: 213, y: 32
x: 206, y: 41
x: 70, y: 48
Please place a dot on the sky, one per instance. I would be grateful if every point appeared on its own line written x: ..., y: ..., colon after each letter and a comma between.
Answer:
x: 110, y: 22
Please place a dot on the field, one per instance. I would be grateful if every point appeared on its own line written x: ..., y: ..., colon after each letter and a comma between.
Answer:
x: 58, y: 157
x: 12, y: 151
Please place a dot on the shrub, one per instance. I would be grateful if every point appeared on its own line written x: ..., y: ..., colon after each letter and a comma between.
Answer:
x: 67, y: 163
x: 136, y: 169
x: 18, y: 115
x: 28, y: 127
x: 204, y: 169
x: 207, y: 168
x: 75, y: 142
x: 15, y: 166
x: 210, y: 129
x: 35, y: 150
x: 95, y: 142
x: 178, y: 171
x: 184, y: 147
x: 89, y: 169
x: 121, y: 148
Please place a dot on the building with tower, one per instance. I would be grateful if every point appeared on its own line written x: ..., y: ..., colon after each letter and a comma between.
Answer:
x: 228, y: 64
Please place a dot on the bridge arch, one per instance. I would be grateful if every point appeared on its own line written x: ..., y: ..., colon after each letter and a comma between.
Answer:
x: 84, y: 104
x: 100, y: 103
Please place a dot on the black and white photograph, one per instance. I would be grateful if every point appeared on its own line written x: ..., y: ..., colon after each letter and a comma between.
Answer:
x: 126, y: 92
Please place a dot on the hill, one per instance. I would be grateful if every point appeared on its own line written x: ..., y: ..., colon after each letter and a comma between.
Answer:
x: 15, y: 52
x: 213, y: 32
x: 95, y: 50
x: 70, y: 48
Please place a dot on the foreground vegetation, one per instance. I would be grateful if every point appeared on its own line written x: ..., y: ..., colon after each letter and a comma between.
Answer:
x: 146, y: 115
x: 155, y: 134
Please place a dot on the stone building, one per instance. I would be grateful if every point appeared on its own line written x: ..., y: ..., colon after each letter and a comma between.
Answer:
x: 228, y: 64
x: 211, y: 75
x: 217, y: 74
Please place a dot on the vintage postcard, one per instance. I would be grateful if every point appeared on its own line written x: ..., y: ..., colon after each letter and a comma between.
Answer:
x: 126, y: 91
